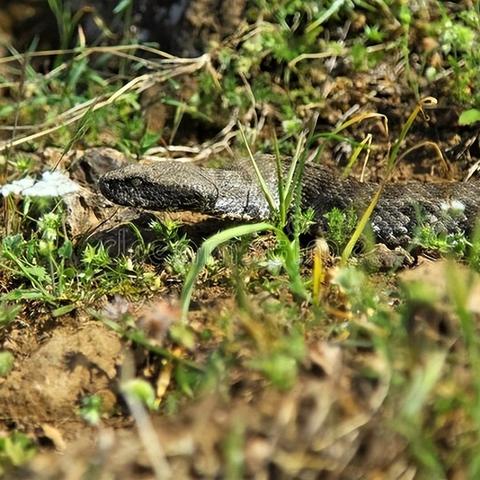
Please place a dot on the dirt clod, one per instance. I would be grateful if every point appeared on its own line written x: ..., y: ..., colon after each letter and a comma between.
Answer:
x: 68, y: 366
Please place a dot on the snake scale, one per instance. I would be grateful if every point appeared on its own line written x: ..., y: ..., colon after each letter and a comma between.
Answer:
x: 447, y: 207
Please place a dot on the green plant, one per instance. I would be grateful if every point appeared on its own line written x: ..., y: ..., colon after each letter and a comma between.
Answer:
x: 340, y: 226
x: 289, y: 194
x: 44, y: 267
x: 428, y: 370
x: 135, y: 138
x: 175, y: 246
x: 41, y: 260
x: 455, y: 243
x: 392, y: 161
x: 6, y: 363
x: 66, y: 20
x: 418, y: 391
x: 8, y: 313
x: 280, y: 363
x: 233, y: 452
x: 141, y: 391
x: 459, y: 36
x: 91, y: 409
x: 15, y: 450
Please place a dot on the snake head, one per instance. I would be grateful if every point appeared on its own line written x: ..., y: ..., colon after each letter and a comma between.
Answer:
x: 163, y: 186
x: 178, y: 186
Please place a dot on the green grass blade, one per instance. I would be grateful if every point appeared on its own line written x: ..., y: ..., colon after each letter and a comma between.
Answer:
x: 347, y: 251
x: 392, y: 161
x: 206, y: 250
x: 263, y: 185
x: 280, y: 180
x: 331, y: 10
x: 292, y: 178
x: 293, y: 184
x: 365, y: 144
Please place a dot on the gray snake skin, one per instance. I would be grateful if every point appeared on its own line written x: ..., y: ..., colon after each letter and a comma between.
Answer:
x: 448, y: 207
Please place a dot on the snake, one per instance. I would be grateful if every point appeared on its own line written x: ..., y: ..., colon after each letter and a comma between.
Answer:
x: 446, y: 207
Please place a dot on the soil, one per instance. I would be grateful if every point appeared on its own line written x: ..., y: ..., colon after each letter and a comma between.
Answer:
x: 53, y: 374
x: 181, y: 27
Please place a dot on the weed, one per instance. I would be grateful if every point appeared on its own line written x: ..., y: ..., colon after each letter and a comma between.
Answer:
x: 454, y: 243
x: 65, y: 21
x: 423, y: 384
x: 459, y: 35
x: 45, y: 268
x: 204, y: 252
x: 135, y: 138
x: 8, y: 313
x: 340, y: 226
x: 424, y: 379
x: 233, y: 452
x: 41, y: 260
x: 91, y: 409
x: 125, y: 7
x: 140, y: 391
x: 280, y: 364
x: 15, y: 450
x: 392, y: 161
x: 289, y: 195
x: 175, y: 246
x: 6, y: 363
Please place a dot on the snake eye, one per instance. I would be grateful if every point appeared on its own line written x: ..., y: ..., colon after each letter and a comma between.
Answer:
x: 136, y: 182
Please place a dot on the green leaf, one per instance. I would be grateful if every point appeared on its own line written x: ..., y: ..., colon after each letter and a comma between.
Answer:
x: 91, y: 409
x: 183, y: 335
x: 423, y: 381
x: 6, y: 363
x: 141, y: 391
x: 16, y: 449
x: 469, y: 117
x: 26, y: 294
x: 37, y: 271
x: 58, y: 312
x: 8, y: 313
x: 66, y: 250
x: 186, y: 380
x: 122, y: 6
x: 206, y: 250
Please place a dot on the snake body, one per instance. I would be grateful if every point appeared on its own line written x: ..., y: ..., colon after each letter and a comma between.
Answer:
x: 447, y: 207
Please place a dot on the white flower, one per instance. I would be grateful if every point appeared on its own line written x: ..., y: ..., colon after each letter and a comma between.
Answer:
x: 17, y: 186
x: 52, y: 184
x: 453, y: 208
